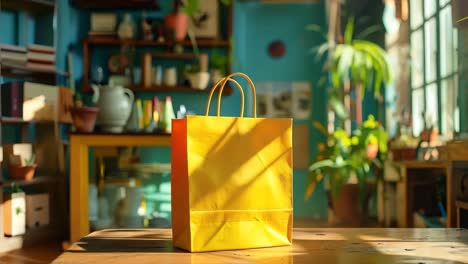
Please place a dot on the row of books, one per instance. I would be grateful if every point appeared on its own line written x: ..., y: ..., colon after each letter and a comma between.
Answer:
x: 34, y: 56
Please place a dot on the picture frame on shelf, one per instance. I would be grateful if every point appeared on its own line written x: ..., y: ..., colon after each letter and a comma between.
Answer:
x: 205, y: 22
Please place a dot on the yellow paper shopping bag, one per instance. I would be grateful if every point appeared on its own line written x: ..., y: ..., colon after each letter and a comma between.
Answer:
x: 231, y: 179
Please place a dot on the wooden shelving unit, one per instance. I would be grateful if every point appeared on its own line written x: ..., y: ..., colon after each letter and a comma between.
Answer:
x: 108, y: 41
x: 89, y: 43
x: 50, y: 177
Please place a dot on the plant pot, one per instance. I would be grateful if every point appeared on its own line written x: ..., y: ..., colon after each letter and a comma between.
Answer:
x: 84, y: 118
x: 371, y: 151
x: 22, y: 172
x: 216, y: 75
x: 199, y: 80
x: 346, y: 206
x: 179, y: 23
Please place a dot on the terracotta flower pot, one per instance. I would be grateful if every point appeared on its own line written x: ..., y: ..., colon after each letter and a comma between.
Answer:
x: 346, y: 205
x: 22, y: 172
x: 84, y: 118
x: 371, y: 151
x: 179, y: 23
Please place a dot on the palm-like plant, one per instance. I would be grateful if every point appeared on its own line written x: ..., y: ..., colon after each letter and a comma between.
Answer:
x: 357, y: 62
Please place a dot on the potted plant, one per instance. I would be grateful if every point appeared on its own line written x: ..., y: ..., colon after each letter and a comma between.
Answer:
x: 347, y: 163
x: 198, y: 79
x: 23, y: 170
x: 83, y: 117
x: 219, y: 64
x: 179, y: 18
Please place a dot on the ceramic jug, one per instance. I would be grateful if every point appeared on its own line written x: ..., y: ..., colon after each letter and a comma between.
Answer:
x: 115, y: 105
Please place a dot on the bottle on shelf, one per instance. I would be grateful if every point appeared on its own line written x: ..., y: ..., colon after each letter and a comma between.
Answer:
x: 167, y: 114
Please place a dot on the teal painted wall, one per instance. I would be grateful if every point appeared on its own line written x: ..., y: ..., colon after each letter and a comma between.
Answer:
x: 255, y: 26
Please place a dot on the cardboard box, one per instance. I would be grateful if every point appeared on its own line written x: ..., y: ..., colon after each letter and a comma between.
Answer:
x: 14, y: 214
x: 37, y: 210
x: 46, y: 102
x: 23, y: 150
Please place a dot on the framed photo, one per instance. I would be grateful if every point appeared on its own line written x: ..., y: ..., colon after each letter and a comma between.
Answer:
x: 205, y: 22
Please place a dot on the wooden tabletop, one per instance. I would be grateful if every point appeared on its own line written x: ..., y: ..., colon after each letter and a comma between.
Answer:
x: 311, y: 245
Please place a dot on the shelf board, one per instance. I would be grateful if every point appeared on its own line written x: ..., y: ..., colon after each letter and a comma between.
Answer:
x: 31, y: 6
x: 162, y: 88
x: 202, y: 43
x: 122, y: 134
x: 17, y: 120
x: 179, y: 88
x: 15, y: 70
x: 174, y: 56
x: 37, y: 179
x: 462, y: 204
x: 152, y: 5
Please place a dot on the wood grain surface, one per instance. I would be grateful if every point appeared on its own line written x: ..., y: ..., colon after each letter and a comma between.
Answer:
x: 311, y: 245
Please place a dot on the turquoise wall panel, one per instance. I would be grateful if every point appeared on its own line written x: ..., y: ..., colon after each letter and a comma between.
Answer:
x: 255, y: 26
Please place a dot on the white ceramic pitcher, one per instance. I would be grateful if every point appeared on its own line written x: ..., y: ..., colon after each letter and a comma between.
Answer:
x: 115, y: 105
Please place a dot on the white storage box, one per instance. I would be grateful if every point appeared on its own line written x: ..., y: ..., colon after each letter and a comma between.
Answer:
x: 37, y: 210
x: 14, y: 209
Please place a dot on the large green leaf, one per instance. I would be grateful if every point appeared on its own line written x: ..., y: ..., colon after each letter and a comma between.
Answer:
x: 338, y: 107
x: 349, y: 30
x: 345, y: 62
x: 321, y: 164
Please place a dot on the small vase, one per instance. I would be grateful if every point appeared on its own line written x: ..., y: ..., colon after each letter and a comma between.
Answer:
x: 127, y: 28
x: 216, y: 75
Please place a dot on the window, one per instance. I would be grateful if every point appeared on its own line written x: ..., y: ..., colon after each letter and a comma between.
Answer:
x: 434, y: 77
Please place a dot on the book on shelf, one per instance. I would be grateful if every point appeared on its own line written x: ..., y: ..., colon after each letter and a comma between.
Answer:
x: 41, y: 66
x: 13, y: 57
x: 12, y: 48
x: 12, y: 99
x: 39, y: 57
x: 13, y: 54
x: 41, y: 48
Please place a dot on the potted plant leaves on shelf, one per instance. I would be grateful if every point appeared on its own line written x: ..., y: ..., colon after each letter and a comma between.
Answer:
x: 83, y: 117
x: 23, y: 170
x: 198, y: 79
x: 218, y: 63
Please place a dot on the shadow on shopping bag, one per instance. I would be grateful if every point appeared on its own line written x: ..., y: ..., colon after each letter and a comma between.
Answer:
x: 243, y: 158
